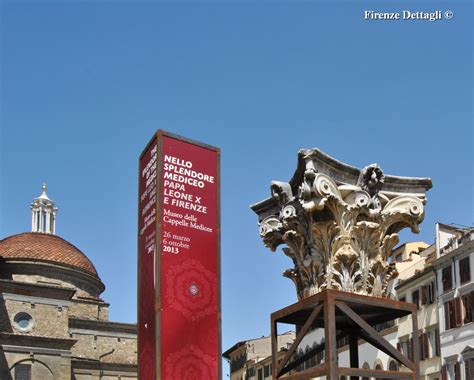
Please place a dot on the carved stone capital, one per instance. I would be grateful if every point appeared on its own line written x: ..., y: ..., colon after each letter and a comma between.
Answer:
x: 339, y: 224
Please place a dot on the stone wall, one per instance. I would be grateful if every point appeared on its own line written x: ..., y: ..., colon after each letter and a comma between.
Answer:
x: 89, y: 310
x: 48, y: 320
x: 103, y: 375
x: 107, y: 349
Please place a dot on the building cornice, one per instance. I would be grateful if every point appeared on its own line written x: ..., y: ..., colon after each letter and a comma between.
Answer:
x: 43, y: 268
x: 36, y: 290
x: 464, y: 249
x: 102, y: 326
x: 17, y: 340
x: 80, y: 363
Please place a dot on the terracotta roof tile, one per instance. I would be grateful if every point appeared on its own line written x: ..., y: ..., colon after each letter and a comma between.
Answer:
x: 45, y: 247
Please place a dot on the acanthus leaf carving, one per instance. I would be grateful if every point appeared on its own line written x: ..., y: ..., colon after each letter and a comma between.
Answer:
x: 340, y: 235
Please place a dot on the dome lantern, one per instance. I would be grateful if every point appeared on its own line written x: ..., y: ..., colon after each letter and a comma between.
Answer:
x: 43, y: 214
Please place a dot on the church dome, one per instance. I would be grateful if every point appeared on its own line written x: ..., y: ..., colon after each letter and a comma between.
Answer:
x: 48, y: 248
x: 43, y: 257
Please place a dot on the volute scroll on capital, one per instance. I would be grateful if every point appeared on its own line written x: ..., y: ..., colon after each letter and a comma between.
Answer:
x: 339, y: 224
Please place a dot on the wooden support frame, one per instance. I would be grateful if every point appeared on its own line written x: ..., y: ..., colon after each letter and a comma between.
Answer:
x: 342, y: 314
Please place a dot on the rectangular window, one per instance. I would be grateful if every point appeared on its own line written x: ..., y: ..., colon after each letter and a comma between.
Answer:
x: 403, y: 299
x: 437, y: 343
x: 426, y: 345
x: 449, y: 316
x: 457, y: 371
x: 399, y: 258
x: 421, y: 351
x: 410, y: 349
x: 423, y: 295
x: 23, y: 372
x: 469, y: 368
x: 458, y: 311
x: 447, y: 279
x: 432, y: 289
x: 464, y: 270
x: 250, y: 372
x: 238, y: 363
x: 260, y: 374
x: 266, y: 371
x: 432, y: 345
x: 467, y: 308
x: 427, y: 294
x: 444, y: 372
x: 415, y: 297
x: 404, y: 347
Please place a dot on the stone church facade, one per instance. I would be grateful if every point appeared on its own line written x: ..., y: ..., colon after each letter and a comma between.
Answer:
x: 53, y: 323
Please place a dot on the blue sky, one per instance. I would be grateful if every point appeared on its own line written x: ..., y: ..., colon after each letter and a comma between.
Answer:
x: 85, y: 84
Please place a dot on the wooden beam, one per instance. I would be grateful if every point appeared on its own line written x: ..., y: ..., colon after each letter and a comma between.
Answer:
x: 354, y: 352
x: 305, y: 304
x: 299, y: 338
x: 373, y: 301
x: 307, y: 374
x: 416, y: 369
x: 378, y: 374
x: 373, y: 336
x: 330, y: 336
x: 274, y: 343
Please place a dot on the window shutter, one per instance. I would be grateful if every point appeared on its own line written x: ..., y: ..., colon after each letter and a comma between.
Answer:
x: 437, y: 343
x: 399, y: 347
x: 458, y: 311
x: 23, y: 372
x: 457, y: 371
x: 426, y: 346
x: 447, y: 317
x: 432, y: 291
x: 444, y: 373
x: 410, y: 349
x: 467, y: 369
x: 421, y: 351
x: 472, y: 305
x: 423, y: 295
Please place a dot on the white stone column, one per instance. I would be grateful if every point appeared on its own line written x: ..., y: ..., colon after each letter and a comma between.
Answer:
x: 48, y: 221
x: 41, y: 221
x: 36, y: 220
x: 33, y: 221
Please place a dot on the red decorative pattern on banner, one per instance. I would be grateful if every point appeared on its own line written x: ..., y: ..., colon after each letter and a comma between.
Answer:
x: 191, y: 289
x: 178, y: 261
x: 189, y: 261
x: 190, y: 363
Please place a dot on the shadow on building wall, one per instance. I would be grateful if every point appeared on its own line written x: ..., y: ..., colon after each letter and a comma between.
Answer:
x: 4, y: 371
x: 4, y: 274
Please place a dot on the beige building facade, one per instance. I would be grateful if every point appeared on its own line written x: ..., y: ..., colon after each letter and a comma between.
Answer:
x: 251, y: 359
x: 53, y: 323
x: 420, y: 289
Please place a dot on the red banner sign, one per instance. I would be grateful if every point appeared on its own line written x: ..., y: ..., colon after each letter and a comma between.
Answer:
x: 179, y: 261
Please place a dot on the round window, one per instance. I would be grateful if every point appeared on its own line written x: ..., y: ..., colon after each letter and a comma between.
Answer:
x: 23, y: 321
